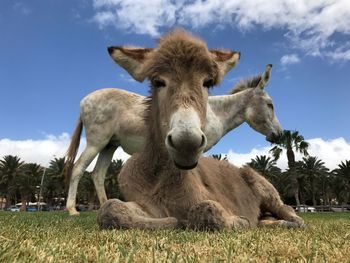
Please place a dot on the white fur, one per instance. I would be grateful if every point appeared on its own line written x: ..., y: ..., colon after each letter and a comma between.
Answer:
x: 185, y: 120
x: 214, y: 128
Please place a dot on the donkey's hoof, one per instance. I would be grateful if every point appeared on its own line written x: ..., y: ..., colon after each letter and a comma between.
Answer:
x: 299, y: 221
x: 207, y: 215
x: 113, y: 214
x: 240, y: 222
x: 290, y: 224
x: 182, y: 224
x: 73, y: 212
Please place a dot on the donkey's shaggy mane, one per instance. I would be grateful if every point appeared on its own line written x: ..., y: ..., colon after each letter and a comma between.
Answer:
x: 181, y: 52
x: 244, y: 84
x: 147, y: 105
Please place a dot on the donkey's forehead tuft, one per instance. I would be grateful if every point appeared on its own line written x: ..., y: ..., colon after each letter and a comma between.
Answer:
x: 179, y: 52
x: 179, y: 35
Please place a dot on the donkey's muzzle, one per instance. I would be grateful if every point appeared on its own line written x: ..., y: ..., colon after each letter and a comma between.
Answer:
x: 185, y: 141
x: 185, y: 148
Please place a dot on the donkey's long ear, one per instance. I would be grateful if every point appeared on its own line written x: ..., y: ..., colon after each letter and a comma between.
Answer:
x: 131, y: 59
x: 226, y: 60
x: 265, y: 77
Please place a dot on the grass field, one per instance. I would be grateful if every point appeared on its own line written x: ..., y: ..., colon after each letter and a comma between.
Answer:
x: 56, y: 237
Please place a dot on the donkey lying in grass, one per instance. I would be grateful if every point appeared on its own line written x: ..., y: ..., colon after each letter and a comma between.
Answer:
x: 169, y: 184
x: 113, y: 118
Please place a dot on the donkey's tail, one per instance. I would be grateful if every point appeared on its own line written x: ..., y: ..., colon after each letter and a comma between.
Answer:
x: 72, y: 151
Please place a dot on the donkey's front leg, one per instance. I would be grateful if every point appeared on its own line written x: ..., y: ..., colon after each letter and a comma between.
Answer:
x: 116, y: 214
x: 271, y: 222
x: 210, y: 215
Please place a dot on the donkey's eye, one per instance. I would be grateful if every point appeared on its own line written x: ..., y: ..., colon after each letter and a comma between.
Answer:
x: 208, y: 83
x: 158, y: 83
x: 270, y: 105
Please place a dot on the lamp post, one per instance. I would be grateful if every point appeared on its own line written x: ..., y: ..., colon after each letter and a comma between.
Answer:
x: 41, y: 187
x: 37, y: 196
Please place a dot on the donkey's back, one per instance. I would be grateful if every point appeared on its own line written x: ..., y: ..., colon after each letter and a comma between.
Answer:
x: 114, y: 115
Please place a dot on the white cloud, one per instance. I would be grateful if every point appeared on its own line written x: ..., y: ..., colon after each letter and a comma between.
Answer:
x: 332, y: 152
x: 43, y: 150
x: 104, y: 18
x: 308, y: 25
x: 22, y: 8
x: 143, y: 17
x: 240, y: 159
x: 290, y: 59
x: 341, y: 53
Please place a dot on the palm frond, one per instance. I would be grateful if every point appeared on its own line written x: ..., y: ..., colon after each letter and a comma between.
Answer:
x: 276, y: 152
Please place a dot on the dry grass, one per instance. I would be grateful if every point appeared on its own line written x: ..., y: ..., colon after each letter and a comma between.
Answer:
x: 56, y: 237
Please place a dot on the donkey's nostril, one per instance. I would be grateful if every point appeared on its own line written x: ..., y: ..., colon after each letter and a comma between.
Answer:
x: 170, y: 141
x: 203, y: 141
x: 187, y: 142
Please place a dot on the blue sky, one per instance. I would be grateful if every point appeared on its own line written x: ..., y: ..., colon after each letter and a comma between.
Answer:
x: 53, y: 53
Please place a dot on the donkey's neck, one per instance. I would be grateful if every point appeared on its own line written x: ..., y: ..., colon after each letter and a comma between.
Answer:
x: 154, y: 154
x: 230, y: 109
x: 156, y: 160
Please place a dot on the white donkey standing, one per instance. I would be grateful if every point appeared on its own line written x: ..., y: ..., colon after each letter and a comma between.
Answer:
x: 114, y: 117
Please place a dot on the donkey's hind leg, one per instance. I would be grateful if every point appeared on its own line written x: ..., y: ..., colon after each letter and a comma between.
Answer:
x: 79, y: 168
x: 116, y: 214
x: 210, y: 215
x: 270, y: 199
x: 100, y: 170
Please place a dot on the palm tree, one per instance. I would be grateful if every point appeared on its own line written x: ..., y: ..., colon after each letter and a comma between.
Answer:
x: 111, y: 182
x: 219, y: 157
x: 86, y: 190
x: 10, y: 167
x: 290, y: 140
x: 313, y: 169
x: 342, y: 177
x: 266, y: 167
x: 2, y: 193
x: 54, y: 181
x: 27, y: 181
x: 327, y: 186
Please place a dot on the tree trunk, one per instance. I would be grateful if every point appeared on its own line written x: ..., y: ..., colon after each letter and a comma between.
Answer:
x: 294, y: 177
x: 24, y: 200
x: 2, y: 202
x: 91, y: 201
x: 328, y: 193
x: 8, y: 201
x: 301, y: 196
x: 297, y: 200
x: 324, y: 193
x: 313, y: 190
